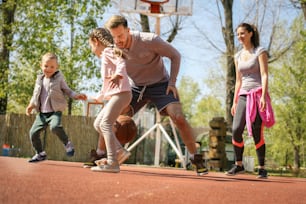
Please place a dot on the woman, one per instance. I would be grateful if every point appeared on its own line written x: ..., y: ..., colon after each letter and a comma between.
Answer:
x: 251, y: 104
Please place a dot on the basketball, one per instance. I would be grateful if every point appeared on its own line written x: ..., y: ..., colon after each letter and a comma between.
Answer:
x: 125, y: 129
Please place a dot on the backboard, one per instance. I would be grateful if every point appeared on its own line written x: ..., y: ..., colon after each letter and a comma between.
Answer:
x: 92, y: 108
x: 157, y: 7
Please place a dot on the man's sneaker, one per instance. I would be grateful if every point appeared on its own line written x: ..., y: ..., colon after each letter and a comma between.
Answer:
x: 236, y: 169
x: 198, y: 163
x: 39, y: 157
x: 122, y: 155
x: 112, y: 167
x: 92, y: 158
x: 69, y: 149
x: 262, y: 174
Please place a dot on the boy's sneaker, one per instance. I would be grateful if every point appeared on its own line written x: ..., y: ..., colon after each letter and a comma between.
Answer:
x: 112, y: 167
x: 198, y: 163
x: 93, y: 157
x: 122, y: 155
x: 236, y: 169
x: 262, y: 174
x: 39, y: 157
x: 69, y: 149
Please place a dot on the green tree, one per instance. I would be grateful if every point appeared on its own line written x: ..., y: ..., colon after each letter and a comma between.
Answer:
x: 206, y: 109
x: 199, y: 111
x: 189, y: 92
x: 288, y: 89
x: 7, y: 14
x: 61, y: 27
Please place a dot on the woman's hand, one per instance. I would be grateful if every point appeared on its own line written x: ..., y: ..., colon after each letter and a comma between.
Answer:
x: 262, y: 103
x: 233, y: 109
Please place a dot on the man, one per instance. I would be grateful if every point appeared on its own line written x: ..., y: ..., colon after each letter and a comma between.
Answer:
x: 150, y: 79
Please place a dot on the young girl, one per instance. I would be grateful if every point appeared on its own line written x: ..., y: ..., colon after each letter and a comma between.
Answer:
x: 116, y: 89
x: 251, y: 105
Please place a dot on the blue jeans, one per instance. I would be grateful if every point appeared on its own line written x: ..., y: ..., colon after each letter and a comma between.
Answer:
x: 54, y: 119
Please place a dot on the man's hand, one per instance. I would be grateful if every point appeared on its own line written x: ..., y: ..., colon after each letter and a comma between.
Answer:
x: 173, y: 90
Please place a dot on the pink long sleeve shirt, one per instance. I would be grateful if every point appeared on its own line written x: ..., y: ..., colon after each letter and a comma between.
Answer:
x: 112, y: 65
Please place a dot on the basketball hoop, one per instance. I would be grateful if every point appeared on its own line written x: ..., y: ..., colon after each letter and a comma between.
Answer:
x: 155, y: 6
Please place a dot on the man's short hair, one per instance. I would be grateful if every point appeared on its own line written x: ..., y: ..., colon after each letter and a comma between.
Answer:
x: 116, y: 21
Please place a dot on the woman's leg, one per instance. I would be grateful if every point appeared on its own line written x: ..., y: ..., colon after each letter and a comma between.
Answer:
x: 239, y: 122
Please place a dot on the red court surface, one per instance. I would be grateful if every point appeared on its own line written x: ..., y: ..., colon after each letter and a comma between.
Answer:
x: 67, y: 182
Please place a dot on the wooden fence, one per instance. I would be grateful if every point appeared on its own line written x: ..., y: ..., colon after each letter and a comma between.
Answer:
x: 15, y: 132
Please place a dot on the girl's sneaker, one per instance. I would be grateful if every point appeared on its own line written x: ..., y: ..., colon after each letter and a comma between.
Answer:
x: 110, y: 166
x: 122, y: 155
x: 93, y: 157
x: 39, y: 157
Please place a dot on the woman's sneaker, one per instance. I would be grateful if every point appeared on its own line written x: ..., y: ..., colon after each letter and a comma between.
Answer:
x: 69, y: 149
x: 39, y: 157
x: 235, y: 170
x: 262, y: 174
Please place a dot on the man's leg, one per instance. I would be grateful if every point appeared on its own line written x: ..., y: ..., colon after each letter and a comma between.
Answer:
x: 174, y: 110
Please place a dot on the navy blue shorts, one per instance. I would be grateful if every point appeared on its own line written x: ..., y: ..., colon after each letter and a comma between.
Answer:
x: 155, y: 94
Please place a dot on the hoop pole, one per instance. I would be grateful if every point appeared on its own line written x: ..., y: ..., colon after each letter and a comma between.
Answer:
x: 157, y: 139
x: 177, y: 141
x: 178, y: 153
x: 142, y: 137
x: 157, y: 26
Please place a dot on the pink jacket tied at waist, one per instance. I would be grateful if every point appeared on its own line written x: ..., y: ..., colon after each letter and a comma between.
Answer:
x: 252, y: 102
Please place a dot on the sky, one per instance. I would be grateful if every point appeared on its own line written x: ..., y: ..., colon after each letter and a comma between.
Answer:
x: 199, y: 58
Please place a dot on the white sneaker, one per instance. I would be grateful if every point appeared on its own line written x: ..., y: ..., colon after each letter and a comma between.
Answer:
x: 112, y: 168
x: 39, y: 157
x: 69, y: 149
x: 122, y: 156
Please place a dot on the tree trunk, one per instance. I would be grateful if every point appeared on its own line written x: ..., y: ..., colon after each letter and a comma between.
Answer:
x: 8, y: 10
x: 230, y: 47
x: 296, y: 164
x: 303, y: 5
x: 144, y: 21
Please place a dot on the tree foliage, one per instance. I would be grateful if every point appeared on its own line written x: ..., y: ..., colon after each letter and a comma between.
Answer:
x: 288, y: 89
x: 61, y: 27
x: 199, y: 111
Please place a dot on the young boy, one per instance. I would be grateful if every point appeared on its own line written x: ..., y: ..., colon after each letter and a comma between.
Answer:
x: 49, y: 101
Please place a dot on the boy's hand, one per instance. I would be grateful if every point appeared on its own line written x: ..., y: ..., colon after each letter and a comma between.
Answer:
x: 81, y: 97
x: 29, y: 110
